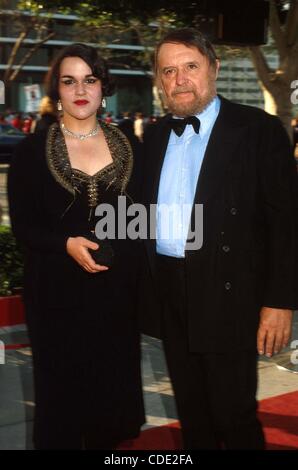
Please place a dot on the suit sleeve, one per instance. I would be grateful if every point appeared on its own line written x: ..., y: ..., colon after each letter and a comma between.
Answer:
x: 28, y: 220
x: 279, y: 188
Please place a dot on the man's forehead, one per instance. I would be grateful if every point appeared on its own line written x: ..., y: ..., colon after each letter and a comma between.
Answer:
x: 170, y: 53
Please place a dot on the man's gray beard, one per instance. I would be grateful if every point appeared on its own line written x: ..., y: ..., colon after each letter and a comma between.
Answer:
x: 191, y: 109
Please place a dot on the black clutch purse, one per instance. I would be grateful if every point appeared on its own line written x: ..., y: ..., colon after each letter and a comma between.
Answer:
x: 104, y: 255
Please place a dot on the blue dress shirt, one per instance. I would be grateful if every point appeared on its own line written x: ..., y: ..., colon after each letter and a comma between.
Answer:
x: 178, y: 183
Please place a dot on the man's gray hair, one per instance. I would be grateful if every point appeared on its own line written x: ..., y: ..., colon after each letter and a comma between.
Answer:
x: 190, y: 37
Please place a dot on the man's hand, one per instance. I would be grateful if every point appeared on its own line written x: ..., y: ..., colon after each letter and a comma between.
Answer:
x: 77, y: 247
x: 274, y: 330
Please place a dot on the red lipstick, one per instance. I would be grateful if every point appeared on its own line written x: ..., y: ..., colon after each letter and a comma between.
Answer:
x: 81, y: 102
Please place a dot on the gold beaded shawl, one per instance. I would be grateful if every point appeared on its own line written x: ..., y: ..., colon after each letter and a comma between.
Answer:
x: 116, y: 173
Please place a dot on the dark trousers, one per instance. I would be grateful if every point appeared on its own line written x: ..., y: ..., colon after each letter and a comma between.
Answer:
x: 61, y: 436
x: 215, y: 393
x: 57, y: 424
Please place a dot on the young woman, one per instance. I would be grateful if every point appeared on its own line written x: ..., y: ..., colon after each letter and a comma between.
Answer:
x: 81, y: 313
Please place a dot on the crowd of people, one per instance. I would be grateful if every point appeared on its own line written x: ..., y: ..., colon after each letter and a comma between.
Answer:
x: 132, y: 124
x: 21, y: 121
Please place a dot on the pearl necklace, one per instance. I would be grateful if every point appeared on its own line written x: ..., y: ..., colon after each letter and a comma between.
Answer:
x: 66, y: 131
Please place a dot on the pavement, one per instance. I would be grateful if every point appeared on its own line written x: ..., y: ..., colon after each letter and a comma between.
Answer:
x: 16, y: 391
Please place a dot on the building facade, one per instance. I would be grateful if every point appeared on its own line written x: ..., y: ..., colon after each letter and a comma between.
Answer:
x: 133, y: 83
x: 237, y: 79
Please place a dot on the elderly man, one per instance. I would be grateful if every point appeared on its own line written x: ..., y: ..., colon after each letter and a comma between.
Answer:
x: 222, y: 299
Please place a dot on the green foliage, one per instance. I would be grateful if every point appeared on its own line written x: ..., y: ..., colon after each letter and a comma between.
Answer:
x: 11, y: 263
x: 33, y: 7
x: 133, y: 22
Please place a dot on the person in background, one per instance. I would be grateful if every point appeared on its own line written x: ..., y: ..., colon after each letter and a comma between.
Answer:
x: 151, y: 122
x: 139, y: 126
x: 27, y: 124
x: 126, y: 115
x: 9, y: 115
x: 109, y: 118
x: 126, y: 126
x: 48, y: 114
x: 17, y: 121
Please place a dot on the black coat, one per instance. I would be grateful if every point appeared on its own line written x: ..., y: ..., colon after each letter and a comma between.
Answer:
x: 83, y: 327
x: 249, y: 190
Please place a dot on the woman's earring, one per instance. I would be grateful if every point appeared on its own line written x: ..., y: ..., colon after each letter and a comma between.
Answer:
x: 59, y: 106
x: 103, y: 103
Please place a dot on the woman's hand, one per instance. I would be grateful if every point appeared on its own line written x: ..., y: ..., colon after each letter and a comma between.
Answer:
x: 77, y: 248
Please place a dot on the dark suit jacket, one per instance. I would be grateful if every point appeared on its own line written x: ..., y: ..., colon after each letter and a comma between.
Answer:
x: 249, y: 190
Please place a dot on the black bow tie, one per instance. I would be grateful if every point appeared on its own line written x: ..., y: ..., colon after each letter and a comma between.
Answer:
x: 178, y: 125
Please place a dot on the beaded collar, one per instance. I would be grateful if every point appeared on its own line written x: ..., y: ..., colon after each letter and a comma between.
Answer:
x: 116, y: 173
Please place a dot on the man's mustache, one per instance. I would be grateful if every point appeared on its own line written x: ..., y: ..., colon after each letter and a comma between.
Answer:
x: 181, y: 90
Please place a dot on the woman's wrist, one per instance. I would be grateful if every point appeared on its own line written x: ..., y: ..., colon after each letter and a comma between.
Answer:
x: 68, y: 243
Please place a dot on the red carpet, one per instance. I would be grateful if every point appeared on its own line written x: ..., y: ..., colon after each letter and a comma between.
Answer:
x: 279, y: 416
x: 11, y: 311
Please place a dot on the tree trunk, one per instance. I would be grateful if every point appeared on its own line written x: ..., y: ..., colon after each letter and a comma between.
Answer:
x: 280, y: 106
x: 158, y: 108
x: 278, y: 89
x: 279, y: 103
x: 284, y: 111
x: 269, y: 102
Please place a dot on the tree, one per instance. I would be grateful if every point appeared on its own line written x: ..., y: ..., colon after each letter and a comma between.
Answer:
x: 149, y: 21
x: 103, y: 22
x: 99, y: 20
x: 278, y: 83
x: 27, y: 20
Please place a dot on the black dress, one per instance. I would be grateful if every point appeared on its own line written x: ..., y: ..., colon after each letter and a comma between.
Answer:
x: 83, y: 327
x: 45, y: 122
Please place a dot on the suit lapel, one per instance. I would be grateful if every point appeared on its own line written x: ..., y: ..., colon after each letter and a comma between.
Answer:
x: 226, y: 137
x: 155, y: 158
x: 224, y: 140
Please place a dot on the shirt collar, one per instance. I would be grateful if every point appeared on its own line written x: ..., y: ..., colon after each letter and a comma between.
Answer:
x: 208, y: 116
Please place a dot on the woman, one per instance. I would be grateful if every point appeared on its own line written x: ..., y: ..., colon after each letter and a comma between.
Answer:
x: 48, y: 114
x: 81, y: 315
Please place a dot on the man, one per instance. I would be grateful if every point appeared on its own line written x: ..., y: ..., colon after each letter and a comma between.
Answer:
x: 139, y: 126
x: 235, y: 294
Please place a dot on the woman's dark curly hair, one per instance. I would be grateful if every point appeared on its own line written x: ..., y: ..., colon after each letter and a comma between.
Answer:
x: 89, y: 55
